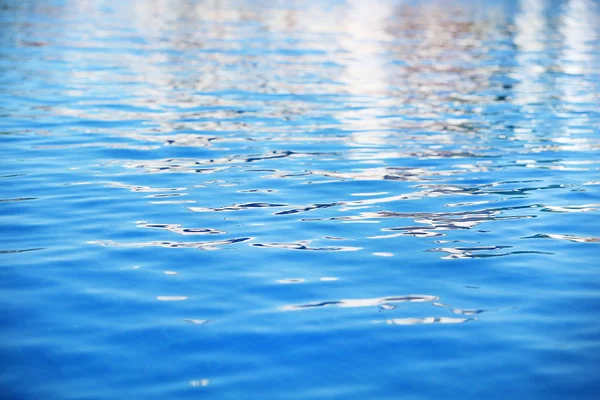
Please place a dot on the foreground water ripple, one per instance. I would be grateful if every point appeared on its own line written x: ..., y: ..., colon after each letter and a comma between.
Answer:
x: 230, y: 199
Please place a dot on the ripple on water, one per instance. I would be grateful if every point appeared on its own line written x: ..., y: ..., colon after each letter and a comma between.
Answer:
x: 20, y: 250
x: 475, y: 252
x: 428, y: 320
x: 571, y: 238
x: 364, y: 302
x: 177, y: 228
x: 319, y: 154
x: 303, y: 245
x: 209, y: 245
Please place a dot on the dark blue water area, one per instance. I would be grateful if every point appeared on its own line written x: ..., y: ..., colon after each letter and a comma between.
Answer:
x: 299, y: 199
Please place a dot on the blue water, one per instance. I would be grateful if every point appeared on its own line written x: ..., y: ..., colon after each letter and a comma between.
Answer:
x: 299, y: 200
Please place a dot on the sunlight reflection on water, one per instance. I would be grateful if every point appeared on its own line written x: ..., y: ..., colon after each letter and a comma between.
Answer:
x: 178, y: 176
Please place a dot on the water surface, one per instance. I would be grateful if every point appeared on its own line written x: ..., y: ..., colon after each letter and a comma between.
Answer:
x: 299, y: 200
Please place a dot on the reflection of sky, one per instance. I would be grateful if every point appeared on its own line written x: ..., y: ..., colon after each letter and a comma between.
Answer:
x: 399, y: 68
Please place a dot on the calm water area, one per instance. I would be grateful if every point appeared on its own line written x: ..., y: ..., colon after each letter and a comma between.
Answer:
x: 311, y: 200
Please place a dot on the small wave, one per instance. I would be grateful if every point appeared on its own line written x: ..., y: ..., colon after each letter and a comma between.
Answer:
x: 364, y: 302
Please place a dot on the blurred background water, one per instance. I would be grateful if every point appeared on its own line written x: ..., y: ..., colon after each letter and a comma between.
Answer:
x: 299, y: 199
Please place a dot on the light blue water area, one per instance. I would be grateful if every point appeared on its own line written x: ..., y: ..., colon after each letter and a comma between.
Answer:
x: 299, y: 199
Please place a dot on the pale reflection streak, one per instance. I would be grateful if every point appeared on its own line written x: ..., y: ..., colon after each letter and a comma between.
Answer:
x: 171, y: 298
x: 211, y: 245
x: 532, y: 31
x: 572, y: 209
x: 143, y: 189
x: 467, y: 312
x: 579, y: 45
x: 388, y: 303
x: 304, y: 245
x: 365, y: 72
x: 197, y: 321
x: 177, y: 228
x: 374, y: 302
x: 475, y: 252
x: 570, y: 238
x: 428, y: 320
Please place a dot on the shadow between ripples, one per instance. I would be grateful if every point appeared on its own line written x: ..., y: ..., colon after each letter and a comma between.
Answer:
x: 21, y: 250
x: 211, y: 245
x: 474, y: 252
x: 428, y: 320
x: 304, y: 245
x: 364, y: 302
x: 176, y: 228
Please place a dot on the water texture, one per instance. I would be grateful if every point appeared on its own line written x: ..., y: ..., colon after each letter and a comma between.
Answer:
x: 299, y: 199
